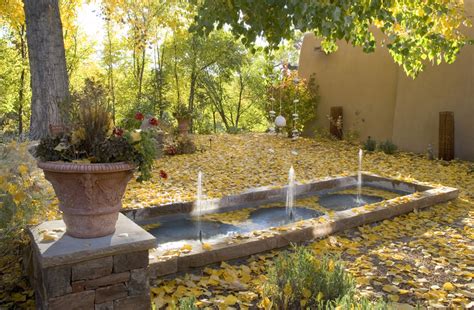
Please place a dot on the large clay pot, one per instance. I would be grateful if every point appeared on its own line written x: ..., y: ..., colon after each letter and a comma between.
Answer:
x: 90, y: 195
x: 183, y: 125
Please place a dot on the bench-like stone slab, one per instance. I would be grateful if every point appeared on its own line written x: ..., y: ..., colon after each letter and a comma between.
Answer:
x: 128, y: 237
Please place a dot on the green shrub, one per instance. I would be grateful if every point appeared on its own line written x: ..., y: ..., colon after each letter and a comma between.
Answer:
x: 370, y: 145
x: 188, y: 303
x: 352, y: 136
x: 281, y: 96
x: 234, y: 130
x: 354, y: 303
x: 388, y: 147
x: 301, y: 280
x: 182, y: 144
x: 24, y: 194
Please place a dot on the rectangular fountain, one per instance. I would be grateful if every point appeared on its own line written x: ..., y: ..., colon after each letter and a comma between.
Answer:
x: 195, y: 234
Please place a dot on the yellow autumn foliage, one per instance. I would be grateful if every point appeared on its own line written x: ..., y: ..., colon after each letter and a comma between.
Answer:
x: 422, y: 257
x: 389, y: 258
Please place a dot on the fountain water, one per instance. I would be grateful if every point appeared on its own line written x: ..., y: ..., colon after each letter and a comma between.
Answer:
x: 359, y: 178
x: 199, y: 203
x: 290, y: 194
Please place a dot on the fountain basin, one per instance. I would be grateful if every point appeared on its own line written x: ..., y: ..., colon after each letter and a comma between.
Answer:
x: 277, y: 216
x: 340, y: 202
x: 187, y: 229
x: 395, y: 197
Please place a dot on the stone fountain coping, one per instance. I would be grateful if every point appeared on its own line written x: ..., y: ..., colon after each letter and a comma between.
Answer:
x: 306, y: 230
x: 266, y: 194
x: 128, y: 237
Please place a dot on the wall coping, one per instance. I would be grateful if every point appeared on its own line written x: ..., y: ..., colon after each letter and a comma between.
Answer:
x: 128, y: 237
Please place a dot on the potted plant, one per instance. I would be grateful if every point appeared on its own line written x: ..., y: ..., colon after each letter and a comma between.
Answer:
x: 90, y: 166
x: 157, y: 128
x: 183, y: 115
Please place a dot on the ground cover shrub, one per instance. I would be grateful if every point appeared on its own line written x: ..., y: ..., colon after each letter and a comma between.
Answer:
x: 25, y: 199
x: 388, y: 147
x: 234, y: 130
x: 351, y: 136
x: 369, y: 144
x: 182, y: 144
x: 24, y: 195
x: 355, y: 303
x: 299, y: 280
x: 188, y: 303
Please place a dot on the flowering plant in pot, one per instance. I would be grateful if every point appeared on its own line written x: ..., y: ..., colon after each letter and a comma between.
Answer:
x: 90, y: 166
x: 156, y: 127
x: 183, y: 115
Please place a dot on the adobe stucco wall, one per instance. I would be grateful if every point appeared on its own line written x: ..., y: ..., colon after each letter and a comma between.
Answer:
x: 364, y: 85
x: 379, y: 100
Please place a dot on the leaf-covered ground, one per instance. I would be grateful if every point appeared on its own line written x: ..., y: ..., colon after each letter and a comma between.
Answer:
x: 424, y: 258
x: 234, y: 163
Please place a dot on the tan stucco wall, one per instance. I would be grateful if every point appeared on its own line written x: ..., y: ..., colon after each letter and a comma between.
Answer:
x: 389, y: 104
x: 438, y: 88
x: 364, y: 85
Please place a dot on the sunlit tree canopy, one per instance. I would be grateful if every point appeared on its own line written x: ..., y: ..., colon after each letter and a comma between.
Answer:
x: 415, y: 30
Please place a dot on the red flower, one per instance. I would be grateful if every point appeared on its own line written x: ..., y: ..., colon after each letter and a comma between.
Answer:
x: 153, y: 121
x: 118, y: 132
x: 139, y: 116
x: 163, y: 174
x: 171, y: 150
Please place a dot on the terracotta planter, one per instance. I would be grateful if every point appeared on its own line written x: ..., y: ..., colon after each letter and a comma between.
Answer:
x: 90, y: 195
x: 183, y: 125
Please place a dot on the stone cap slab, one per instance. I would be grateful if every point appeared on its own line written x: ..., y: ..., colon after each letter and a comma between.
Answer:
x: 128, y: 237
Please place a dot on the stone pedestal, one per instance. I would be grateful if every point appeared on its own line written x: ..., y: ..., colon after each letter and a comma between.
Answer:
x: 102, y: 273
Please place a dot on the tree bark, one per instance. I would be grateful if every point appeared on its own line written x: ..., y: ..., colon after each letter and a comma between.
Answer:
x: 110, y: 66
x: 50, y: 100
x: 161, y: 79
x: 176, y: 68
x: 239, y: 104
x: 21, y: 89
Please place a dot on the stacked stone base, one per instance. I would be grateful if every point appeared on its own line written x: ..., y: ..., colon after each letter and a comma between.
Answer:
x: 109, y: 278
x: 112, y: 282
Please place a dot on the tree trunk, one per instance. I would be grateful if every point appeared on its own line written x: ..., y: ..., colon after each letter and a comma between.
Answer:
x: 21, y: 88
x: 161, y: 79
x: 214, y: 120
x: 239, y: 104
x: 110, y: 67
x: 20, y: 101
x: 176, y: 68
x: 192, y: 88
x: 140, y: 74
x: 49, y: 79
